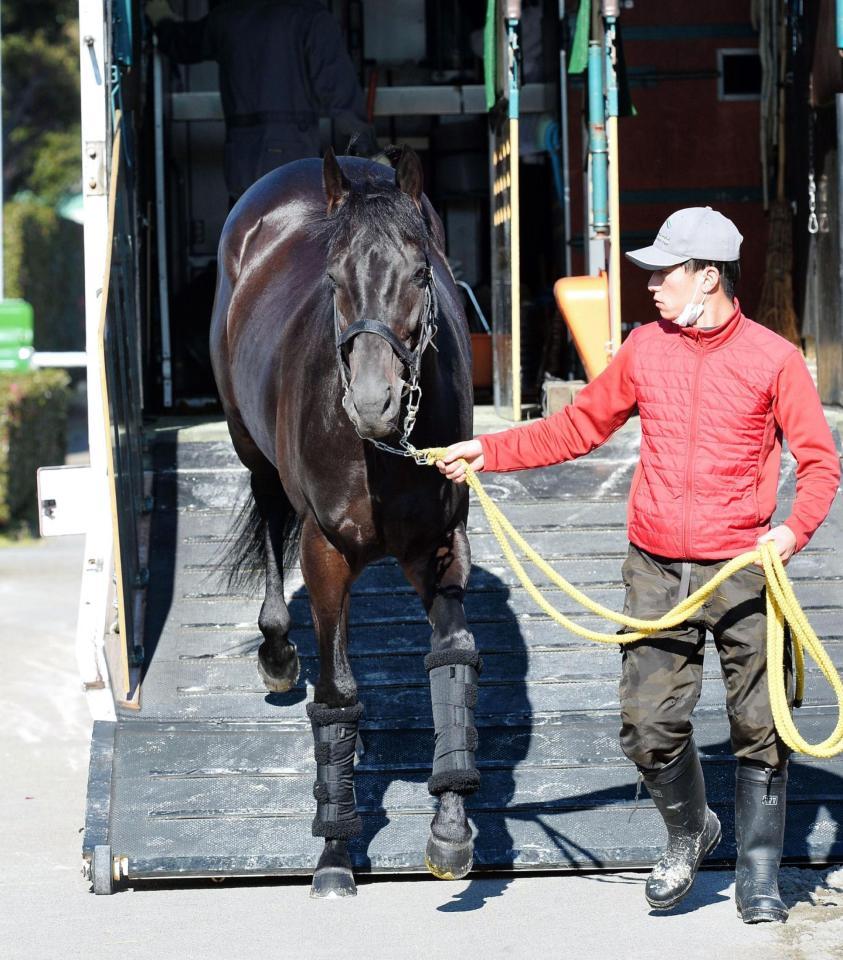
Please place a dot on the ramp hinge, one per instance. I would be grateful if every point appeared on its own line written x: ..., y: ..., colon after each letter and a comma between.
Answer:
x: 93, y: 164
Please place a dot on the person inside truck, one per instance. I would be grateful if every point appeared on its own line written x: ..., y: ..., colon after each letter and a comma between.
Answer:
x: 716, y: 394
x: 282, y: 63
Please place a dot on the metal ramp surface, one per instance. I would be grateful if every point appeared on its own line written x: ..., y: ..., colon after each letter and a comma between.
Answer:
x: 213, y: 776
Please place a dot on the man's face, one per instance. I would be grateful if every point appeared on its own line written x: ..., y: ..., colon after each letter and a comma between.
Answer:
x: 673, y: 288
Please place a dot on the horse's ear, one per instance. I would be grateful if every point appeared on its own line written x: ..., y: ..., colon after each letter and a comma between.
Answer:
x: 408, y: 175
x: 335, y: 181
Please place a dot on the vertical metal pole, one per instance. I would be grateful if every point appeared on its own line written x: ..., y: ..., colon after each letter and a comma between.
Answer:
x: 513, y: 14
x: 564, y: 140
x: 614, y: 187
x: 161, y: 229
x: 597, y: 144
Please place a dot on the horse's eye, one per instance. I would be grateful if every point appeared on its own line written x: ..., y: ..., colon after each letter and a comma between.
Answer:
x: 421, y: 276
x: 332, y: 280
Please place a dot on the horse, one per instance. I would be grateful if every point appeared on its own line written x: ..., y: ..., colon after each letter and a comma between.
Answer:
x: 337, y: 330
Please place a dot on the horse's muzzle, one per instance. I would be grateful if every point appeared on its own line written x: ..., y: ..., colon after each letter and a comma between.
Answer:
x: 374, y: 410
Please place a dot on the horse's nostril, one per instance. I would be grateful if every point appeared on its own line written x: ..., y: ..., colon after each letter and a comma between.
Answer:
x: 387, y: 400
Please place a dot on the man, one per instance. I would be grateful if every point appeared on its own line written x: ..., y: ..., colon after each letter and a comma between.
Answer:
x: 282, y: 63
x: 716, y: 394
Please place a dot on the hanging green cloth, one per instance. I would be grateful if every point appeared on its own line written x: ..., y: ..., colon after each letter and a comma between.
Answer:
x: 579, y: 48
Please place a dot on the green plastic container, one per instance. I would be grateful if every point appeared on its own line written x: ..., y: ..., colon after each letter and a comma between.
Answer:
x: 16, y: 324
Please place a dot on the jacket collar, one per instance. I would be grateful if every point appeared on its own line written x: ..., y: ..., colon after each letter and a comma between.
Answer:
x: 718, y: 336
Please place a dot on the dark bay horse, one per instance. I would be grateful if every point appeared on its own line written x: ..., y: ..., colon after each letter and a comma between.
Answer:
x: 335, y: 306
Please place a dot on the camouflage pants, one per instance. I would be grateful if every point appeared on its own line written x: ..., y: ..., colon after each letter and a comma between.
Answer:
x: 661, y: 677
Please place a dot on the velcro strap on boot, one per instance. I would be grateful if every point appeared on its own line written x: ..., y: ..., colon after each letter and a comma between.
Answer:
x: 334, y: 742
x: 453, y: 695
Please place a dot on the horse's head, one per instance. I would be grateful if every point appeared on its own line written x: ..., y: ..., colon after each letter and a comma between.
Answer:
x: 380, y: 274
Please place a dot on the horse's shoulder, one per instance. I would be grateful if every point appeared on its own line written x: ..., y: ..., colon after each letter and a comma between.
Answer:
x: 274, y: 207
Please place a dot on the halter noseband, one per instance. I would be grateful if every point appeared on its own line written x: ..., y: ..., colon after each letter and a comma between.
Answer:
x: 380, y: 329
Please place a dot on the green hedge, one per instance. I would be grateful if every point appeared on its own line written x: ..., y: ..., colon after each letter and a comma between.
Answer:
x: 33, y: 427
x: 45, y: 265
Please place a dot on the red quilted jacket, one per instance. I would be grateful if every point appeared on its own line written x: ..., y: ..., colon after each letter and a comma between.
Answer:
x: 714, y: 406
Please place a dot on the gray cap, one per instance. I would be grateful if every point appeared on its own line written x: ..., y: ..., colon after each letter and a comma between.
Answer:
x: 695, y: 233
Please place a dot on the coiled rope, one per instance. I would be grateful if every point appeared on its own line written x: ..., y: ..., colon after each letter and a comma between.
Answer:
x: 782, y: 608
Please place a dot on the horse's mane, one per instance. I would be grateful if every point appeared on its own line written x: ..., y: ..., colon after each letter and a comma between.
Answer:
x: 374, y: 207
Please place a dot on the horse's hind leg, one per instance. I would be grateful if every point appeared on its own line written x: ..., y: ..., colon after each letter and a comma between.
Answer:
x: 334, y: 714
x: 278, y: 660
x: 452, y: 665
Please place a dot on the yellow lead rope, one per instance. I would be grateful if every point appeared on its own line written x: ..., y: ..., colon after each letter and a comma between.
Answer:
x: 782, y: 607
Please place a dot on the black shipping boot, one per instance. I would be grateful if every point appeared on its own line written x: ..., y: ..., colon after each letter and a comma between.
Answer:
x: 678, y: 791
x: 453, y: 694
x: 760, y: 802
x: 337, y: 820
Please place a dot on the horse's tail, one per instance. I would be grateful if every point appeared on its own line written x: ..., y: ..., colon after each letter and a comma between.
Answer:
x: 243, y: 561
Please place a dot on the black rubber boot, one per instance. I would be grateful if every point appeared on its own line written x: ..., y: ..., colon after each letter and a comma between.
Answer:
x: 693, y: 830
x: 760, y: 804
x: 334, y: 742
x: 453, y: 693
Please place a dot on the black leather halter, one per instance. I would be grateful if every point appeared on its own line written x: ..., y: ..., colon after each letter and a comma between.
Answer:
x: 410, y: 358
x: 380, y: 329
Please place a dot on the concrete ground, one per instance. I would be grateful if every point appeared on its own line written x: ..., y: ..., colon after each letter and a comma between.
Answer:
x: 47, y: 910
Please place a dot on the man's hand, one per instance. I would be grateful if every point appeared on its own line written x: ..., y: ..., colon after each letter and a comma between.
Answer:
x: 451, y: 464
x: 158, y: 10
x: 784, y: 539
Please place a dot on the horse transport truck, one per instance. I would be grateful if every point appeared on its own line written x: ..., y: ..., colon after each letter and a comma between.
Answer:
x: 196, y: 769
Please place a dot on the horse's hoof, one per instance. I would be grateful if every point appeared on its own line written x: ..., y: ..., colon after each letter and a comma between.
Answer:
x: 333, y: 882
x: 333, y: 876
x: 448, y: 861
x: 280, y: 673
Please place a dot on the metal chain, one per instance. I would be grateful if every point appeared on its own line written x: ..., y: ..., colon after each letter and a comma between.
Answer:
x: 813, y: 222
x: 407, y: 449
x: 414, y: 392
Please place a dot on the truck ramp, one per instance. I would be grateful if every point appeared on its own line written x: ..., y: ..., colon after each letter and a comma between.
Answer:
x: 213, y: 775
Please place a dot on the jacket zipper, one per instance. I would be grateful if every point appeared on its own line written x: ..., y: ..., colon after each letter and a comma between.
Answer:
x: 689, y: 464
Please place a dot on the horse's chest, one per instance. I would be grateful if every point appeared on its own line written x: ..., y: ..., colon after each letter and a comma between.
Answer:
x: 381, y: 522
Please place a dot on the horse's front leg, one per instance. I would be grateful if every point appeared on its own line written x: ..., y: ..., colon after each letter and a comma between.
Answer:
x: 334, y: 714
x: 452, y: 665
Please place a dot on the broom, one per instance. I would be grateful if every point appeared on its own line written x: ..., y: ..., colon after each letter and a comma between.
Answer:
x: 775, y: 309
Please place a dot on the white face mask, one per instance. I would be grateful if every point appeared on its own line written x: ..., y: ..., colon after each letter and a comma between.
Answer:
x: 692, y: 311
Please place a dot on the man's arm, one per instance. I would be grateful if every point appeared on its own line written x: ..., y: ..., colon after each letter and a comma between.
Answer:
x: 334, y: 80
x: 598, y: 411
x: 182, y: 41
x: 798, y: 410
